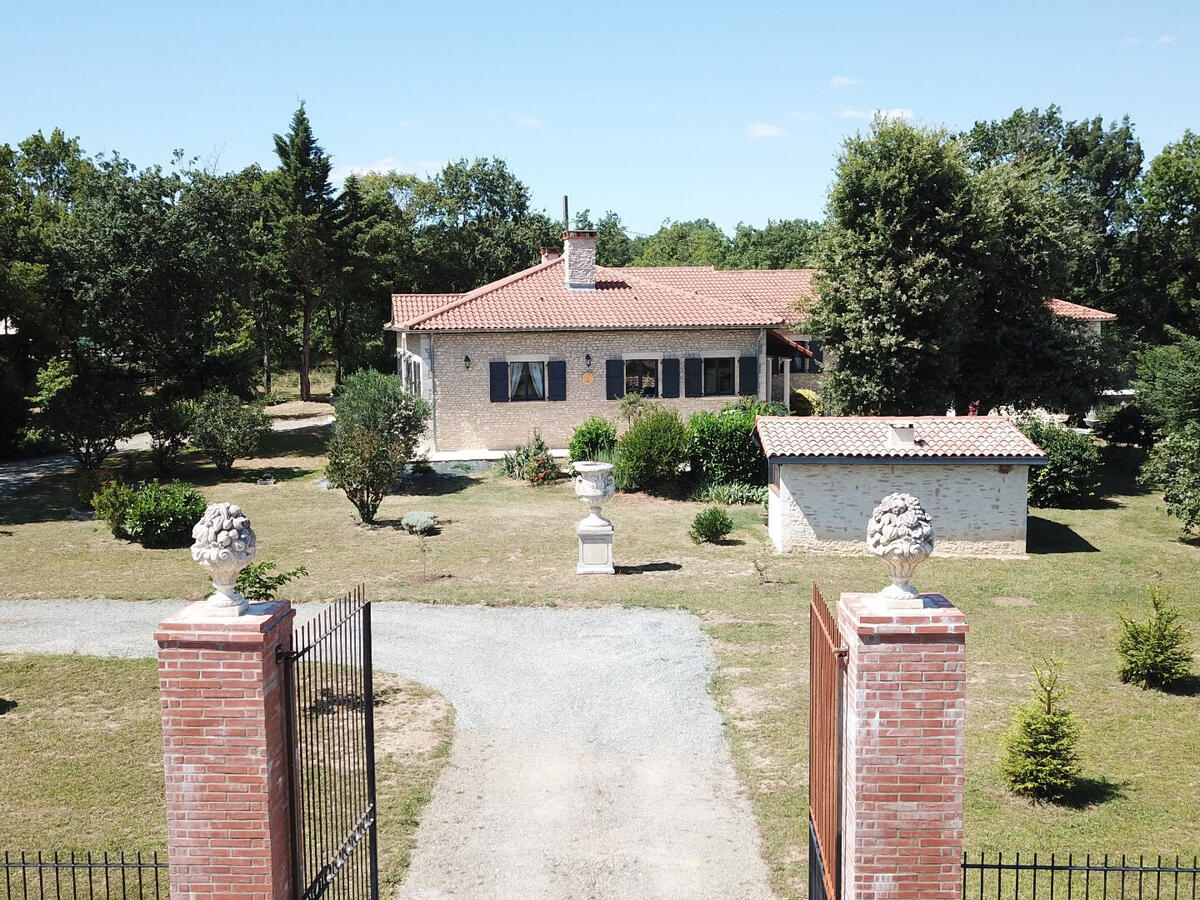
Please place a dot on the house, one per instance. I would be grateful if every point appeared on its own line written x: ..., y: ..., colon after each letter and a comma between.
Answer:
x: 826, y: 474
x: 565, y: 339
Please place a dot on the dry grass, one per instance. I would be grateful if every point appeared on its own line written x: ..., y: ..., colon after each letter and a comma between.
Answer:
x: 503, y: 542
x: 81, y: 758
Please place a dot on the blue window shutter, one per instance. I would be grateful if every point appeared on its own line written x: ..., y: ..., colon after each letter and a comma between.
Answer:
x: 498, y: 378
x: 748, y: 376
x: 693, y: 377
x: 556, y: 375
x: 614, y: 378
x: 670, y: 377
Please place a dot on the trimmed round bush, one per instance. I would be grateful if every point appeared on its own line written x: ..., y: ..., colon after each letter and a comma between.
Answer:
x: 1072, y: 476
x: 592, y: 438
x: 111, y: 503
x: 226, y: 429
x: 419, y: 522
x: 723, y: 449
x: 806, y: 403
x: 651, y: 453
x: 710, y: 525
x: 152, y: 514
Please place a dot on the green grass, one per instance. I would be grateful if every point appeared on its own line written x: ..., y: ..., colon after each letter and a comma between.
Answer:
x: 81, y: 757
x: 504, y: 542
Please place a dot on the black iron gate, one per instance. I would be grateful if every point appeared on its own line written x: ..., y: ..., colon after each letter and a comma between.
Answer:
x: 332, y: 765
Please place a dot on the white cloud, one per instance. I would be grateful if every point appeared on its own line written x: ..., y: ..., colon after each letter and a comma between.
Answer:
x: 896, y: 113
x: 1166, y: 39
x: 763, y: 130
x: 529, y: 122
x: 388, y: 164
x: 844, y: 81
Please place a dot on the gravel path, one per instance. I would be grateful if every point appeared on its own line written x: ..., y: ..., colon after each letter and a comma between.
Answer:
x: 588, y: 759
x: 15, y: 476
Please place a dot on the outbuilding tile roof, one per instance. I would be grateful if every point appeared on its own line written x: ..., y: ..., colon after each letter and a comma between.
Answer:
x: 1069, y: 310
x: 538, y: 298
x: 950, y: 437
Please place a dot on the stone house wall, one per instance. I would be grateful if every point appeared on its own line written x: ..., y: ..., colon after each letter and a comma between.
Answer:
x: 977, y: 510
x: 465, y: 418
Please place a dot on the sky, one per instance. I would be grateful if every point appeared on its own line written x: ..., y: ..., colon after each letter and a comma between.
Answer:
x: 734, y: 111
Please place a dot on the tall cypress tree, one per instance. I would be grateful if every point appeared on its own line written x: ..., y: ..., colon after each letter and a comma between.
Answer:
x: 304, y: 229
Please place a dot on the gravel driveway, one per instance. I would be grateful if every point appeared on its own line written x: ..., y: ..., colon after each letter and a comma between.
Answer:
x: 588, y: 759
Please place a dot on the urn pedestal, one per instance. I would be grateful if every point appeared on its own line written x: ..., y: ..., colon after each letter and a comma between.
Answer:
x: 594, y: 486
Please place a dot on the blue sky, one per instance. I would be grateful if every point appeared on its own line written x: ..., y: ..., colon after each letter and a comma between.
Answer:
x: 734, y: 111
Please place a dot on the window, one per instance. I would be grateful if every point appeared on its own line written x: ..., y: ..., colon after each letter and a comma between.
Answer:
x: 641, y: 377
x: 412, y: 374
x: 718, y: 375
x: 527, y: 381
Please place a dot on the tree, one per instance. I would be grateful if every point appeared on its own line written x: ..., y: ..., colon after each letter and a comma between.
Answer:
x: 696, y: 243
x: 613, y: 246
x: 226, y: 429
x: 1174, y: 465
x: 1168, y: 383
x: 303, y: 229
x: 896, y: 272
x: 375, y: 435
x: 1040, y: 756
x: 86, y: 411
x: 1156, y: 654
x: 784, y: 244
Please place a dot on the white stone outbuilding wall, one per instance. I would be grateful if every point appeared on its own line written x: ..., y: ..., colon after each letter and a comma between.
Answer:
x: 977, y: 509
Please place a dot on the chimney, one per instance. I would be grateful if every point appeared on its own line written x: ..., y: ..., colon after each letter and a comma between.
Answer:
x: 549, y: 254
x: 902, y: 435
x: 579, y: 248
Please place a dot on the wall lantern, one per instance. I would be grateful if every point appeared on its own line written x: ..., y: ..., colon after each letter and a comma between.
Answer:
x: 467, y: 361
x: 587, y: 358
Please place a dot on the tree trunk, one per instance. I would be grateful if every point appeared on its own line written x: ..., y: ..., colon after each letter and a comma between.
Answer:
x: 266, y: 368
x: 305, y: 350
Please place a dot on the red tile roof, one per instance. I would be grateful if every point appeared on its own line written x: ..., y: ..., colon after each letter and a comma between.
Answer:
x: 537, y: 298
x: 937, y: 437
x: 633, y: 297
x: 1069, y: 310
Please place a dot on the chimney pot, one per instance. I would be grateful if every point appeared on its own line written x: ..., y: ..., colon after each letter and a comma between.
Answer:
x: 549, y: 254
x: 579, y: 249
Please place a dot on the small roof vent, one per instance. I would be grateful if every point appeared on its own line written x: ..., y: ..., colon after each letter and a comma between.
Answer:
x: 902, y: 435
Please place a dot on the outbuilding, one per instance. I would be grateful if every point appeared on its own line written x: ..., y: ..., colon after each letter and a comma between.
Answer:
x: 826, y: 474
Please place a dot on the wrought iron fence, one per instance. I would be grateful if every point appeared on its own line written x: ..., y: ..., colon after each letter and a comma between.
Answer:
x: 332, y: 740
x: 42, y: 876
x: 1092, y: 877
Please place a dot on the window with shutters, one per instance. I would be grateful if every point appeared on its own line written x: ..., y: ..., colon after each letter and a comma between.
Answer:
x: 641, y: 377
x: 526, y: 381
x: 718, y: 376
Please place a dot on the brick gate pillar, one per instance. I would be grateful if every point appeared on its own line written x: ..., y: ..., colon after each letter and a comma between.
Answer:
x: 225, y: 753
x: 903, y: 749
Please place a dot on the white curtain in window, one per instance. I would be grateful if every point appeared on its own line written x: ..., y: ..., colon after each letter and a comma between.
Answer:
x: 538, y: 374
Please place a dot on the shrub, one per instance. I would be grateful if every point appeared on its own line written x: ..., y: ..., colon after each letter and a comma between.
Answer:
x: 419, y: 522
x: 1072, y: 475
x: 722, y: 445
x: 1126, y: 425
x: 1040, y: 758
x: 258, y: 585
x: 169, y: 423
x: 651, y: 452
x: 1156, y: 653
x: 710, y: 525
x: 636, y: 406
x: 530, y: 462
x: 594, y: 435
x: 111, y: 503
x: 806, y: 403
x: 377, y: 429
x: 162, y: 515
x: 226, y: 429
x: 1175, y: 465
x: 732, y: 494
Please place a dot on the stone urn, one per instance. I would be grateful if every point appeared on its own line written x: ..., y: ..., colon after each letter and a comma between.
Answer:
x: 223, y: 543
x: 900, y: 533
x: 594, y: 485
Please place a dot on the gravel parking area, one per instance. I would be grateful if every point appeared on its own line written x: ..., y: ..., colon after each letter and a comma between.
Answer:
x: 588, y: 758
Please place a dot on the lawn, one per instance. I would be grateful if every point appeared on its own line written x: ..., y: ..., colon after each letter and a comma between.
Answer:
x: 503, y: 542
x: 81, y: 764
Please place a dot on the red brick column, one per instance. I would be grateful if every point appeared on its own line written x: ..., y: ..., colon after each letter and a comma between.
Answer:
x: 225, y: 753
x: 903, y: 749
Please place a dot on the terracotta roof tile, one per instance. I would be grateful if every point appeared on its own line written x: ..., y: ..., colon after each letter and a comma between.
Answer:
x: 1069, y: 310
x: 958, y: 437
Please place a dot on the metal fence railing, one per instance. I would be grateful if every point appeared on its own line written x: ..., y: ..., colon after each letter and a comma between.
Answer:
x: 103, y: 876
x: 1093, y: 877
